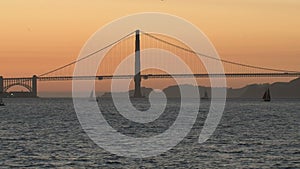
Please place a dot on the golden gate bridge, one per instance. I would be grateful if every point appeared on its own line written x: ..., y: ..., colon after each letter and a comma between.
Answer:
x: 134, y: 42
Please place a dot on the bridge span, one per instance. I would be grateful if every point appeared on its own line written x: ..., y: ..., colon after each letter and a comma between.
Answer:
x: 31, y: 83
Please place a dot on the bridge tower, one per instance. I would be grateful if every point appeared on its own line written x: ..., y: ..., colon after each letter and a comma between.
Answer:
x: 137, y: 76
x: 1, y: 87
x: 34, y: 86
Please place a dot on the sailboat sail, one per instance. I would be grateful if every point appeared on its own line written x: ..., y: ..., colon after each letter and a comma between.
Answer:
x: 205, y: 95
x: 92, y: 96
x: 1, y: 102
x: 267, y: 95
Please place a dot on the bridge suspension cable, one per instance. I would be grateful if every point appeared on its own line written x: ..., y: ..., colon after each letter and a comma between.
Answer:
x: 173, y: 45
x: 87, y: 56
x: 222, y: 60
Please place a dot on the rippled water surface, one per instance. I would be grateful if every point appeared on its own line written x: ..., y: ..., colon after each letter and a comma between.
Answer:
x: 45, y: 133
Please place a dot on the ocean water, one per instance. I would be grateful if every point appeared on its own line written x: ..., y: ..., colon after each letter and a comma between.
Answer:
x: 45, y: 133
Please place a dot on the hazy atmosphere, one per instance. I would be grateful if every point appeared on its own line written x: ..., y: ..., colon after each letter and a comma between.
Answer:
x: 150, y: 84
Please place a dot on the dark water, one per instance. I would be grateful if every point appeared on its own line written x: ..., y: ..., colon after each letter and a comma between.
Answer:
x: 45, y: 133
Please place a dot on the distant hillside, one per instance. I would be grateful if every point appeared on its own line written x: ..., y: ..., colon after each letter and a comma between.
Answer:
x: 286, y: 90
x: 145, y: 92
x: 278, y: 90
x: 254, y: 91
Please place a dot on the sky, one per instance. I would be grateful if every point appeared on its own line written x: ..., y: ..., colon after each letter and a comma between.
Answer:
x: 38, y: 35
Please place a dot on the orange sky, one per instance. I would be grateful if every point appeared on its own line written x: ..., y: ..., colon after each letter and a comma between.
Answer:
x: 43, y: 34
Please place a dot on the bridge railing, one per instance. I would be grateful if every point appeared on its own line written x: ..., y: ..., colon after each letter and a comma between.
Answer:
x: 147, y: 76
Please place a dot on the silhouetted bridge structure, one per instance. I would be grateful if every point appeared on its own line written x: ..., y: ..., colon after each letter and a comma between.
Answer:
x: 31, y: 83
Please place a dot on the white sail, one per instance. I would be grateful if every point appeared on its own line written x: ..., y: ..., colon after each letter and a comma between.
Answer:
x: 93, y: 96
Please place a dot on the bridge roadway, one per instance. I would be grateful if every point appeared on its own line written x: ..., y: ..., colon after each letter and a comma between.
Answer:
x: 152, y: 76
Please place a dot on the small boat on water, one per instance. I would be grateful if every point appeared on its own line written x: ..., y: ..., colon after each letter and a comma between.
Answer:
x: 93, y: 96
x: 1, y: 102
x: 267, y: 95
x: 205, y: 97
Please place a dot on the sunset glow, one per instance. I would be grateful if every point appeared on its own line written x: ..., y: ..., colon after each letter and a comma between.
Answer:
x: 37, y: 36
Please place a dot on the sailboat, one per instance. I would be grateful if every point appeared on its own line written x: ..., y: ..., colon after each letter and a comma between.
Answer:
x: 93, y: 96
x: 267, y: 95
x: 205, y: 97
x: 1, y: 102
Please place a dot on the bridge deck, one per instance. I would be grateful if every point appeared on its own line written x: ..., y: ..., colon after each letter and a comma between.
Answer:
x: 149, y: 76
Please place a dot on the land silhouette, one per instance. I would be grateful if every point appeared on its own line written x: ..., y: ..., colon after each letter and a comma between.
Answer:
x: 279, y: 90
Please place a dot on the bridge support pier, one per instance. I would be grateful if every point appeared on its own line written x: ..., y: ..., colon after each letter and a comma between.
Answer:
x: 137, y: 76
x: 1, y: 88
x: 34, y: 86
